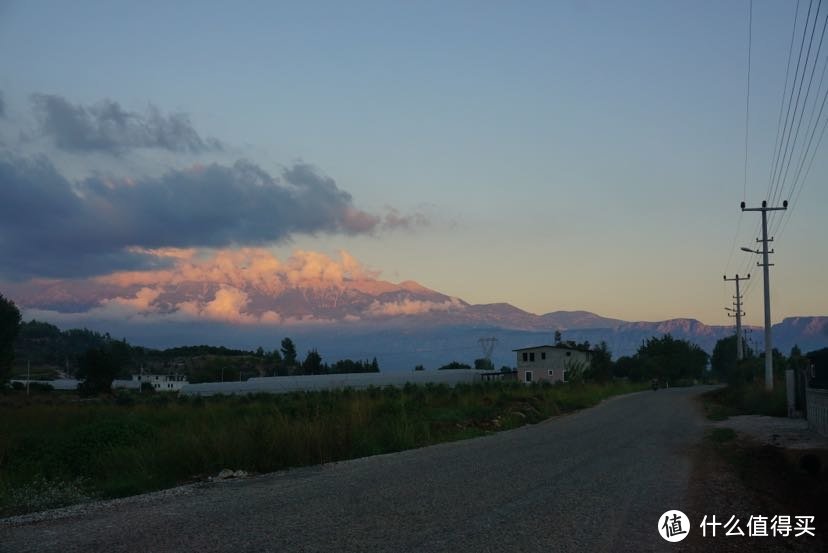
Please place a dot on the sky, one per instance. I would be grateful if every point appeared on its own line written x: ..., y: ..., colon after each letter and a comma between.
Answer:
x: 553, y: 155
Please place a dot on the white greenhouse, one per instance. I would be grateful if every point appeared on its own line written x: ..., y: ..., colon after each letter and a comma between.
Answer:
x: 286, y: 384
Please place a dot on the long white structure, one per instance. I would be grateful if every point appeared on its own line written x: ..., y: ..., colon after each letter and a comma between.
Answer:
x: 159, y: 382
x: 308, y: 383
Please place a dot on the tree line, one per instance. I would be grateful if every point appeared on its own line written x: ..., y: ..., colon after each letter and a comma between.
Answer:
x: 725, y: 367
x: 97, y: 358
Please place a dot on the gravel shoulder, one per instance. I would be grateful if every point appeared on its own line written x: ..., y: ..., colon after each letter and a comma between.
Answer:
x: 758, y: 470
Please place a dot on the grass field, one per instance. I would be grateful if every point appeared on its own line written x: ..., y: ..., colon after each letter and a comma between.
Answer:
x: 57, y: 449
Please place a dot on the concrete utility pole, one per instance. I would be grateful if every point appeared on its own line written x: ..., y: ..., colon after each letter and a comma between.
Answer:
x: 739, y: 314
x: 765, y: 265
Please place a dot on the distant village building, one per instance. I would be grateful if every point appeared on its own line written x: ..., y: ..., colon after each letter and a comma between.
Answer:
x: 549, y: 363
x: 160, y: 382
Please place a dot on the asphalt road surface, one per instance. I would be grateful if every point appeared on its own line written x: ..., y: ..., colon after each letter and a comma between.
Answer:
x: 596, y: 480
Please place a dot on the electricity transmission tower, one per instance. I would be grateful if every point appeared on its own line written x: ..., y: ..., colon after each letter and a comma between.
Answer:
x: 738, y: 315
x: 765, y: 265
x: 488, y: 345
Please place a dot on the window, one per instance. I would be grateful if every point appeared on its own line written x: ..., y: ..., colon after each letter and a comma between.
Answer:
x: 532, y: 357
x: 543, y: 355
x: 568, y: 353
x: 551, y: 372
x: 528, y: 376
x: 564, y: 376
x: 525, y: 356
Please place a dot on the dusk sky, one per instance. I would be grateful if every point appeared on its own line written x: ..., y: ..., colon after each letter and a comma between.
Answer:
x: 553, y: 155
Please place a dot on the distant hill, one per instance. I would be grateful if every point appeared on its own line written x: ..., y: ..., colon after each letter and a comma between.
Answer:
x: 403, y: 324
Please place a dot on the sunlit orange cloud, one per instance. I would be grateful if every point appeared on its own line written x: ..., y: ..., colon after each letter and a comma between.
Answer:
x: 228, y: 305
x: 235, y: 273
x: 238, y: 286
x: 246, y: 267
x: 411, y: 307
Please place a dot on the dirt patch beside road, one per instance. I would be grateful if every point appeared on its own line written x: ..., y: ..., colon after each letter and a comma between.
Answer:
x: 736, y: 475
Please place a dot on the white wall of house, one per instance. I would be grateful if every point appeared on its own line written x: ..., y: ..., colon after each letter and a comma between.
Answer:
x: 547, y: 363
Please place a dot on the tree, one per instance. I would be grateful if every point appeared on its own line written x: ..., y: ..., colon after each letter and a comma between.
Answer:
x: 667, y: 358
x: 600, y: 364
x: 483, y: 364
x: 574, y: 370
x: 276, y: 359
x: 624, y: 367
x: 9, y: 327
x: 454, y: 365
x: 98, y: 367
x: 312, y: 363
x: 723, y: 363
x: 289, y: 352
x: 419, y: 368
x: 557, y: 337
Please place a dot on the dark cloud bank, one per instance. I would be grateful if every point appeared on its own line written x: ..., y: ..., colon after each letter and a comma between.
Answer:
x: 107, y: 127
x: 53, y: 227
x: 50, y: 226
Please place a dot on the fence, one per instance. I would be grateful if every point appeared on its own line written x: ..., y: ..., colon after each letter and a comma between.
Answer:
x: 817, y: 408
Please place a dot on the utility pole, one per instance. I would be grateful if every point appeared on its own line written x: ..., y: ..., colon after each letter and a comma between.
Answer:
x: 739, y: 314
x: 488, y: 345
x: 765, y: 265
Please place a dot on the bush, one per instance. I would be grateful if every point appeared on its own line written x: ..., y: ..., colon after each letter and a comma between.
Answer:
x: 124, y: 399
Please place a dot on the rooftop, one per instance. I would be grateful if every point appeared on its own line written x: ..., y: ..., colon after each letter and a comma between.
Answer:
x: 558, y: 346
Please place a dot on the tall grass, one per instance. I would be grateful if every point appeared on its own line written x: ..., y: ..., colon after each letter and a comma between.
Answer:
x: 747, y: 399
x: 57, y: 450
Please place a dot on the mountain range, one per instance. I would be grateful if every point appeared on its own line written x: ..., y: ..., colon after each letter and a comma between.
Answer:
x: 402, y: 324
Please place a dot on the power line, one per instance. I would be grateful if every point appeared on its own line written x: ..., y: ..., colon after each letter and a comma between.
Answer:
x: 783, y: 182
x: 785, y: 131
x: 813, y: 124
x: 807, y: 172
x: 782, y: 102
x: 747, y: 99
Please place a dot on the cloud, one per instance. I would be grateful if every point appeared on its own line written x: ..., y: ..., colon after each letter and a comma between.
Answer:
x: 236, y: 286
x: 255, y: 269
x: 394, y: 219
x: 2, y: 105
x: 53, y: 227
x: 107, y: 127
x: 411, y: 307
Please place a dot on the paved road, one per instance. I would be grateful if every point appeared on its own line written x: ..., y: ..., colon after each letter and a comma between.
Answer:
x: 593, y: 481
